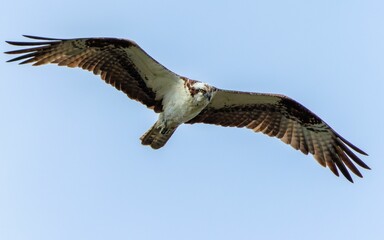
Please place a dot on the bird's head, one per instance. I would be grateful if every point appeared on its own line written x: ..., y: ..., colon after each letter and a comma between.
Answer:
x: 201, y: 92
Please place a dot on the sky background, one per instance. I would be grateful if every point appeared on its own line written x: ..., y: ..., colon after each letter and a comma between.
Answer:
x: 71, y: 162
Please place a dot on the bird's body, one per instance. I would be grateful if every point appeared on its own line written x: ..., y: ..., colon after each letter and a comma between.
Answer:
x: 180, y: 105
x: 178, y: 100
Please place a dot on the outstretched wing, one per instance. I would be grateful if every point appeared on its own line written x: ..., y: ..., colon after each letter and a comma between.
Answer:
x: 120, y: 62
x: 284, y: 118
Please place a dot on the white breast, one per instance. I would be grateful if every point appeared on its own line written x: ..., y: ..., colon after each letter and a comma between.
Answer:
x: 179, y: 106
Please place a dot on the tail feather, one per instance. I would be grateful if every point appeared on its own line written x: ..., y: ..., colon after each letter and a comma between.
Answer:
x: 157, y: 137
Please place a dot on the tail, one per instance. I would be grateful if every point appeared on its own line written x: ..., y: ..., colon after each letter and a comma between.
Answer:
x: 157, y: 137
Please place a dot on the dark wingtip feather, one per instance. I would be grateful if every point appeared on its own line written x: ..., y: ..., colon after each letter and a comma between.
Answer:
x: 344, y: 171
x: 345, y: 159
x: 27, y: 43
x: 32, y: 51
x: 40, y: 38
x: 47, y: 41
x: 22, y: 57
x: 353, y: 156
x: 351, y: 145
x: 332, y: 167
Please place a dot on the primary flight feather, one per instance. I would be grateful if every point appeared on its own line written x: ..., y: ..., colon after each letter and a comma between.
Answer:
x: 177, y: 99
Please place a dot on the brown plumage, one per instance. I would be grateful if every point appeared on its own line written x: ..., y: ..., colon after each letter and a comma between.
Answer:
x: 102, y: 56
x: 284, y: 118
x: 124, y: 65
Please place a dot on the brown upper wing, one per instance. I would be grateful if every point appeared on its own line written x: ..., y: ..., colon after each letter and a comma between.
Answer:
x: 284, y: 118
x: 120, y: 62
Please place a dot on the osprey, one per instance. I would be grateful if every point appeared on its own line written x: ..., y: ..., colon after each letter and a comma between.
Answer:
x: 177, y: 99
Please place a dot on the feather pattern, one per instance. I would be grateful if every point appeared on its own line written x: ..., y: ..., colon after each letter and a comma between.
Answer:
x: 120, y: 63
x: 281, y: 117
x: 124, y: 65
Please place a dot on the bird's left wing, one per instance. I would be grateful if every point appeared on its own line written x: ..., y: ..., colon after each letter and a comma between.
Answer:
x: 284, y: 118
x: 119, y: 62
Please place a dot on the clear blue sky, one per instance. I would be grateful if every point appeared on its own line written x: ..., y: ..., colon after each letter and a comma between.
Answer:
x: 71, y: 163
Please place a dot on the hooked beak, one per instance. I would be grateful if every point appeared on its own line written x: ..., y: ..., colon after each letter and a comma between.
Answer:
x: 208, y: 95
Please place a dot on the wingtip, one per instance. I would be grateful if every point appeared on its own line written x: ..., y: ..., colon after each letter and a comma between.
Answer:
x: 351, y: 145
x: 11, y: 43
x: 349, y: 178
x: 363, y: 153
x: 347, y: 175
x: 39, y: 38
x: 365, y: 166
x: 32, y: 36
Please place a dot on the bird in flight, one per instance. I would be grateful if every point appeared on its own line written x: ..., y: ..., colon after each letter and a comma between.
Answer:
x: 180, y: 100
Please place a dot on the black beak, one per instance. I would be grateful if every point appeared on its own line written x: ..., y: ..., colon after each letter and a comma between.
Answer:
x: 208, y: 95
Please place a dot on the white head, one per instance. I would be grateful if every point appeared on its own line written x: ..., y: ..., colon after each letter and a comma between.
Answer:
x: 201, y: 92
